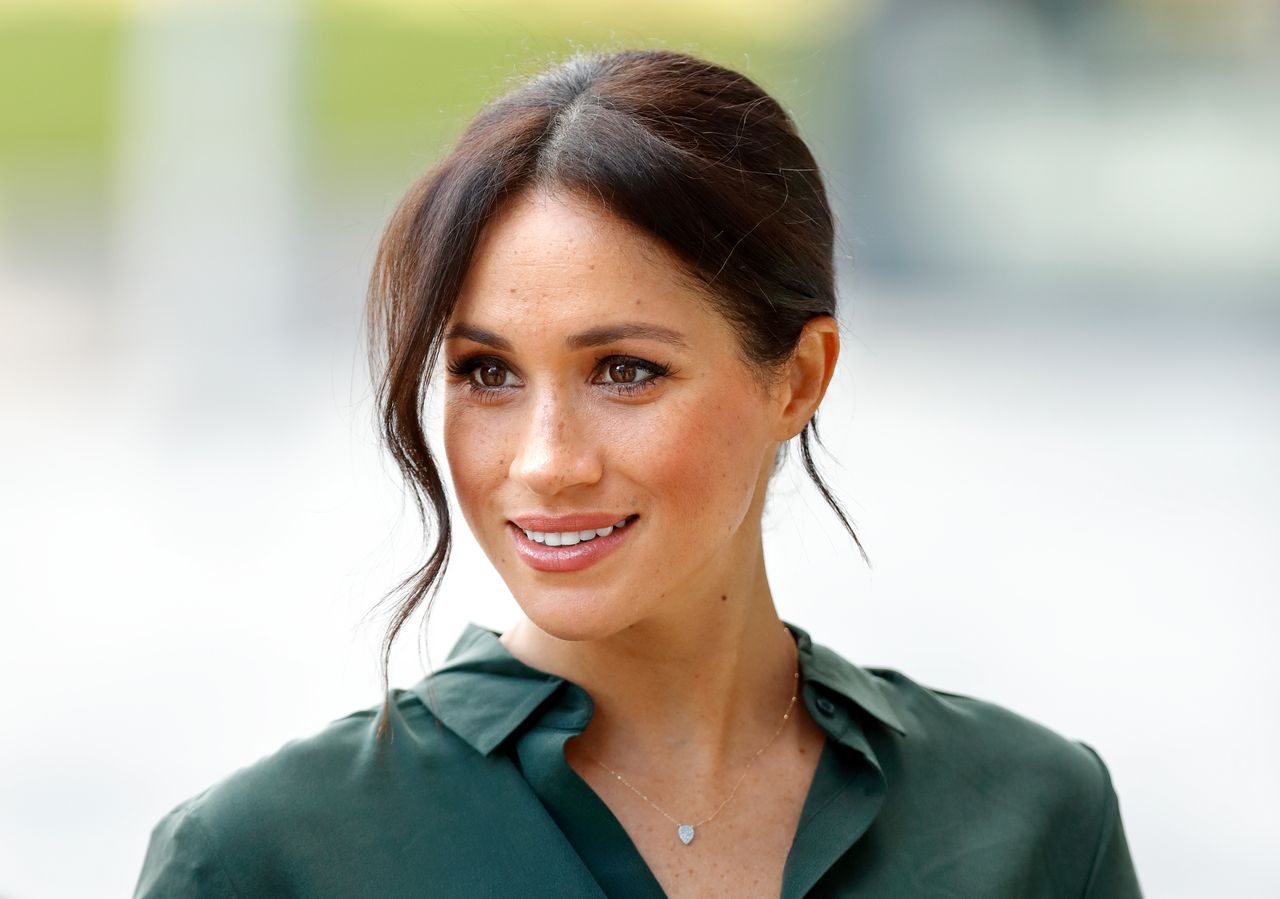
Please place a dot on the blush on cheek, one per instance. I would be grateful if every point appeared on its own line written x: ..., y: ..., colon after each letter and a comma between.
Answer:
x: 471, y: 447
x: 708, y: 473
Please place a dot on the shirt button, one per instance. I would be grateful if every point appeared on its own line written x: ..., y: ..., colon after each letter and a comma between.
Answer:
x: 825, y: 706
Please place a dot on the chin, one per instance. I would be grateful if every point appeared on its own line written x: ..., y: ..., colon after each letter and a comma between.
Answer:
x: 575, y: 615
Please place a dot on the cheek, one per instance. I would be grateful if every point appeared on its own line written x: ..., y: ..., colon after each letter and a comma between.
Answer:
x: 477, y: 456
x: 701, y: 463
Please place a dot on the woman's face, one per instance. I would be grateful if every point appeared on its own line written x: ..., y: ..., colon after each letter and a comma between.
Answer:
x: 589, y: 385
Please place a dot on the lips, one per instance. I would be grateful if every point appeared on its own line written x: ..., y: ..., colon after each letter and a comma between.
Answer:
x: 581, y: 555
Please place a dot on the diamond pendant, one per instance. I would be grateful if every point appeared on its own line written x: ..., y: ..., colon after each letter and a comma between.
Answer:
x: 685, y: 833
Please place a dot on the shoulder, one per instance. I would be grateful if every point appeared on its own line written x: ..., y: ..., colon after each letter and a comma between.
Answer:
x: 998, y: 776
x: 960, y: 732
x: 336, y: 787
x: 345, y: 760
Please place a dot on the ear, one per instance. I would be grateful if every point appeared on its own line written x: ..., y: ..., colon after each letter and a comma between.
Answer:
x: 807, y: 375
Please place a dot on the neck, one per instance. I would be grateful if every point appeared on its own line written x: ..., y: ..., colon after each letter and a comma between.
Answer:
x: 700, y: 691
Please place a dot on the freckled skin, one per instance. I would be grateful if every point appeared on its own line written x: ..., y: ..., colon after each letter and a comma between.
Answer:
x: 689, y: 455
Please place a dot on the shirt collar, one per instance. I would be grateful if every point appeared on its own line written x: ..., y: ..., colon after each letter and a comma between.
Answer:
x: 820, y: 665
x: 484, y: 694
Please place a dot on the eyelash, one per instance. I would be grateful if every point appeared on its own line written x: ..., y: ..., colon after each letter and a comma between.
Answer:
x: 464, y: 369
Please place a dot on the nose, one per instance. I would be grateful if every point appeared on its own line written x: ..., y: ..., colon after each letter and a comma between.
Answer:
x: 556, y: 449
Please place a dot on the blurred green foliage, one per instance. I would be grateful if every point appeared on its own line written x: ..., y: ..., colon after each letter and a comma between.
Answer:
x: 60, y: 77
x: 376, y: 91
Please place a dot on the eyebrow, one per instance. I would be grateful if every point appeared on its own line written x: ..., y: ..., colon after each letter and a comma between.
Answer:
x: 592, y: 337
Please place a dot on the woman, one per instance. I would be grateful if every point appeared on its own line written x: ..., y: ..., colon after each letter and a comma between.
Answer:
x: 625, y: 267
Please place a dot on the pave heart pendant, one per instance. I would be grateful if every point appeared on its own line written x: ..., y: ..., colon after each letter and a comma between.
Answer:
x: 685, y: 833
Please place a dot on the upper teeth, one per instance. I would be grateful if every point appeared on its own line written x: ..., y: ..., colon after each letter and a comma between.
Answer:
x: 569, y: 538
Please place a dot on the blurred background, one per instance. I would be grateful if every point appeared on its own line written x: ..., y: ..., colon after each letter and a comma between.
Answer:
x: 1055, y: 422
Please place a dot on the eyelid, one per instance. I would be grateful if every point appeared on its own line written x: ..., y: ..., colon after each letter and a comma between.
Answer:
x: 464, y: 365
x: 469, y: 362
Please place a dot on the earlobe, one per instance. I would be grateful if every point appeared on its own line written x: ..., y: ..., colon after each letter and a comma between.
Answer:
x: 810, y: 371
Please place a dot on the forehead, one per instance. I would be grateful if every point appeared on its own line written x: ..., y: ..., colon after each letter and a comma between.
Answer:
x: 558, y: 257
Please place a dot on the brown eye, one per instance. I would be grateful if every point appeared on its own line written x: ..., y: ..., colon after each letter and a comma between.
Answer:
x: 628, y: 375
x: 622, y: 372
x: 491, y: 375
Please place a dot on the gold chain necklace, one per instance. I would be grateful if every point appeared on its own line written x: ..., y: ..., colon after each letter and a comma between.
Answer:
x: 686, y: 831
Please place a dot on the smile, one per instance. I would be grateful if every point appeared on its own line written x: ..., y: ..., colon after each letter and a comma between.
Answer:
x: 570, y: 538
x: 564, y: 551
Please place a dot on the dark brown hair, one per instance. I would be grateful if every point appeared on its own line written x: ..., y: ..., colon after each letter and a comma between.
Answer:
x: 695, y: 154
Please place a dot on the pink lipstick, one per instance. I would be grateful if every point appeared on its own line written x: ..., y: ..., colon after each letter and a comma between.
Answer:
x: 542, y: 555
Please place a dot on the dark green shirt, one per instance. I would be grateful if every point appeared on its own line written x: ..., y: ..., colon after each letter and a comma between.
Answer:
x: 918, y: 793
